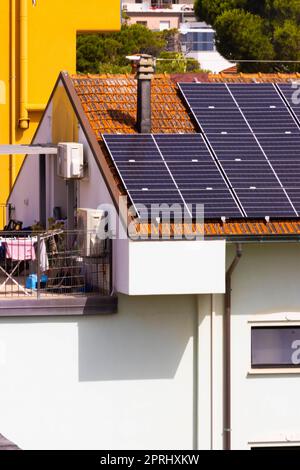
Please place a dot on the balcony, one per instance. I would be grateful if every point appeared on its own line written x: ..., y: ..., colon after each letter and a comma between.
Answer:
x: 57, y: 272
x: 151, y: 6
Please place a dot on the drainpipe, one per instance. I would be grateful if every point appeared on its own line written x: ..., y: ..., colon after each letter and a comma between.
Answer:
x: 227, y: 350
x: 12, y: 127
x: 24, y: 119
x: 145, y: 71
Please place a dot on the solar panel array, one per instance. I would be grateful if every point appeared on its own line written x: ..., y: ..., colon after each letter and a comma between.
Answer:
x: 172, y: 169
x: 258, y: 150
x: 245, y: 162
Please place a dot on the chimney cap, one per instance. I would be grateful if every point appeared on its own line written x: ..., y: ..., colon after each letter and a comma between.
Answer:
x: 134, y: 58
x: 139, y: 57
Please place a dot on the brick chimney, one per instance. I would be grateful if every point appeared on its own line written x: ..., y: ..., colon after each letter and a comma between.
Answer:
x: 145, y: 71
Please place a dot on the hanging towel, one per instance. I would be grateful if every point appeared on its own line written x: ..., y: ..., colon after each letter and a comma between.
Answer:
x: 20, y: 250
x: 44, y: 261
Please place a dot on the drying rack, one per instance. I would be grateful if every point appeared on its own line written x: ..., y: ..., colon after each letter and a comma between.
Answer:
x: 35, y: 238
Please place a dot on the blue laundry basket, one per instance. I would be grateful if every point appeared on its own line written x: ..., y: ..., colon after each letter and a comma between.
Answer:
x: 32, y: 281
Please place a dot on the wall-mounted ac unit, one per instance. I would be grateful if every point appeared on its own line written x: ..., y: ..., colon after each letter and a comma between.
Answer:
x: 70, y: 164
x: 90, y: 223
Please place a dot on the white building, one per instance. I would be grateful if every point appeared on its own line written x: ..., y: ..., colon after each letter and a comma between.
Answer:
x: 158, y: 15
x: 151, y: 376
x: 197, y: 40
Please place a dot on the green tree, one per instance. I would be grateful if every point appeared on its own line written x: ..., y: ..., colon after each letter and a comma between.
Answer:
x: 255, y: 30
x: 287, y: 43
x: 241, y: 35
x: 106, y: 53
x: 209, y: 10
x: 176, y: 62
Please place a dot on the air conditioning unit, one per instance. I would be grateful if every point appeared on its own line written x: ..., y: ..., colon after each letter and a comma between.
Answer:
x: 70, y: 164
x: 91, y: 237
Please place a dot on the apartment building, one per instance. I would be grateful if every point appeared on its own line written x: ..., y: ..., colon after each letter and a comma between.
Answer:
x: 159, y: 14
x: 196, y: 39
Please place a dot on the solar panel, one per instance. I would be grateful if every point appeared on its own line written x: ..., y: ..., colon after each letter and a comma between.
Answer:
x: 217, y: 204
x: 197, y: 175
x: 170, y: 169
x: 142, y: 170
x: 246, y: 163
x: 275, y: 129
x: 238, y: 151
x: 243, y: 149
x: 291, y: 92
x: 282, y: 147
x: 250, y: 174
x: 235, y: 148
x: 214, y: 108
x: 263, y: 108
x: 272, y: 202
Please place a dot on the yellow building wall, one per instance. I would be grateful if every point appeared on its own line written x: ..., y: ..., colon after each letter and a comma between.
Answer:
x: 36, y: 43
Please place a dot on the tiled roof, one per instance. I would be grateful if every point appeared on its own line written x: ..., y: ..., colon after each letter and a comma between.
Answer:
x: 254, y: 77
x: 110, y: 103
x: 238, y: 229
x: 235, y: 77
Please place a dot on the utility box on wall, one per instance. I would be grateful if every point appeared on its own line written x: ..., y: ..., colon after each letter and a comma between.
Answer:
x: 70, y: 164
x: 91, y: 236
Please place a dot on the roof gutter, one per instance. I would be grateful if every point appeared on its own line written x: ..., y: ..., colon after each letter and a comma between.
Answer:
x: 227, y: 349
x: 255, y: 238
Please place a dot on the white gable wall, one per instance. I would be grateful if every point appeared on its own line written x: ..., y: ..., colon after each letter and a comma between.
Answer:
x: 93, y: 190
x: 25, y: 194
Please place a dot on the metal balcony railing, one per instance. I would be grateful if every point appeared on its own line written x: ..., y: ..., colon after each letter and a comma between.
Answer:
x: 55, y: 263
x: 161, y: 4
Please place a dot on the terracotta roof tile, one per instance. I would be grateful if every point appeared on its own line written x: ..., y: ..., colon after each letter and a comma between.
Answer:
x: 110, y: 102
x: 238, y: 229
x: 253, y: 78
x: 235, y: 77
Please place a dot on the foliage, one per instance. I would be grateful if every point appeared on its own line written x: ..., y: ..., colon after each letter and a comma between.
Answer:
x: 106, y: 53
x: 175, y: 62
x: 255, y: 30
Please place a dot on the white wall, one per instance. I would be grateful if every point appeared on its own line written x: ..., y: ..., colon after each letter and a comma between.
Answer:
x: 265, y: 288
x: 93, y: 190
x: 113, y: 382
x: 171, y: 267
x: 25, y: 194
x: 266, y: 283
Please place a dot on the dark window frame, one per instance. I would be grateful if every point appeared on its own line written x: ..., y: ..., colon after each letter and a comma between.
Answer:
x: 269, y: 365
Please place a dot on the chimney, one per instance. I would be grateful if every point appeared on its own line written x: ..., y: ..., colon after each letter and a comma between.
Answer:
x: 145, y: 71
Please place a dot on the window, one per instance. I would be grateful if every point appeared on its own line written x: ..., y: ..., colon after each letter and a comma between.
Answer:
x: 164, y: 25
x: 143, y: 23
x: 277, y: 346
x: 199, y: 41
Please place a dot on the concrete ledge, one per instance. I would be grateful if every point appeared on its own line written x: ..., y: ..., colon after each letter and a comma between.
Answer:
x: 94, y: 305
